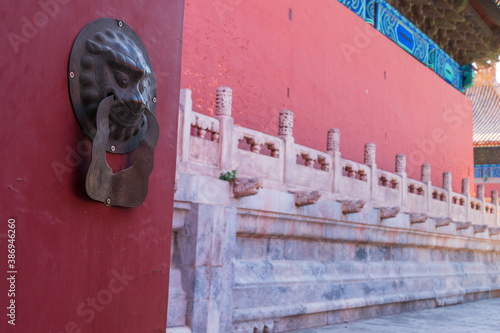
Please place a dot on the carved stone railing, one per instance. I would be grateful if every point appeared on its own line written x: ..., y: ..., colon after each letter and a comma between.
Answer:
x: 204, y: 139
x: 303, y: 235
x: 355, y: 180
x: 221, y: 146
x: 389, y: 189
x: 312, y: 169
x: 255, y: 153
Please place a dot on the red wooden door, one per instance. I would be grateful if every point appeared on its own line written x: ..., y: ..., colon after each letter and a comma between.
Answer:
x: 78, y: 265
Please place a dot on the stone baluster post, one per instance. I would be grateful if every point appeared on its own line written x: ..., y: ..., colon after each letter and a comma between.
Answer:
x: 466, y: 193
x: 370, y: 154
x: 426, y: 178
x: 447, y: 186
x: 480, y: 197
x: 426, y: 173
x: 185, y: 115
x: 480, y: 192
x: 223, y: 107
x: 333, y: 148
x: 494, y: 202
x: 401, y: 171
x: 285, y: 132
x: 494, y: 197
x: 465, y: 187
x: 401, y: 164
x: 370, y: 160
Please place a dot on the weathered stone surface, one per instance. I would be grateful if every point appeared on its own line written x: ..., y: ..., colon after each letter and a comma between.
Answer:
x: 203, y: 151
x: 462, y: 225
x: 494, y: 230
x: 442, y: 221
x: 418, y: 217
x: 243, y: 187
x: 479, y: 228
x: 352, y: 206
x: 304, y: 198
x: 177, y: 301
x: 388, y: 212
x: 302, y: 251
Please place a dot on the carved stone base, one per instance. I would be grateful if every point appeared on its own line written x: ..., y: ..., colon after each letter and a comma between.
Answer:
x: 304, y: 198
x: 462, y: 225
x: 479, y: 228
x: 442, y: 221
x: 418, y: 217
x: 494, y: 231
x: 243, y: 187
x: 388, y: 212
x: 352, y: 206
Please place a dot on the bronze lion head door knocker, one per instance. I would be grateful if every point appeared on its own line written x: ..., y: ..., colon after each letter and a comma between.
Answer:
x: 113, y: 92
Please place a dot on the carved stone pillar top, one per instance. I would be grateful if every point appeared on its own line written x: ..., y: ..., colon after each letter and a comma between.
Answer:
x: 494, y: 197
x: 446, y: 180
x: 400, y: 163
x: 223, y: 101
x: 333, y: 140
x: 426, y: 173
x: 286, y: 123
x: 370, y: 154
x: 480, y: 192
x: 465, y: 186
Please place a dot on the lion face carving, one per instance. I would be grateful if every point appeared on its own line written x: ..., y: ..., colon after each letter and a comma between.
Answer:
x: 113, y: 92
x: 109, y: 62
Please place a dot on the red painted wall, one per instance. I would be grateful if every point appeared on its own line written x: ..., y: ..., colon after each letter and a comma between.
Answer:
x: 81, y: 267
x: 339, y: 72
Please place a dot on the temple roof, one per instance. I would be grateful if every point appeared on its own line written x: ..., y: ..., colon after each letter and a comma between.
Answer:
x: 485, y: 96
x: 469, y: 31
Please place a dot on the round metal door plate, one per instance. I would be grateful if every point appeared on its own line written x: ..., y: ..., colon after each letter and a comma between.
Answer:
x: 108, y: 58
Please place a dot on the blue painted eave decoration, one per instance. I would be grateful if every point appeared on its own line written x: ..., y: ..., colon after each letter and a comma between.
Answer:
x: 401, y: 31
x: 486, y: 171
